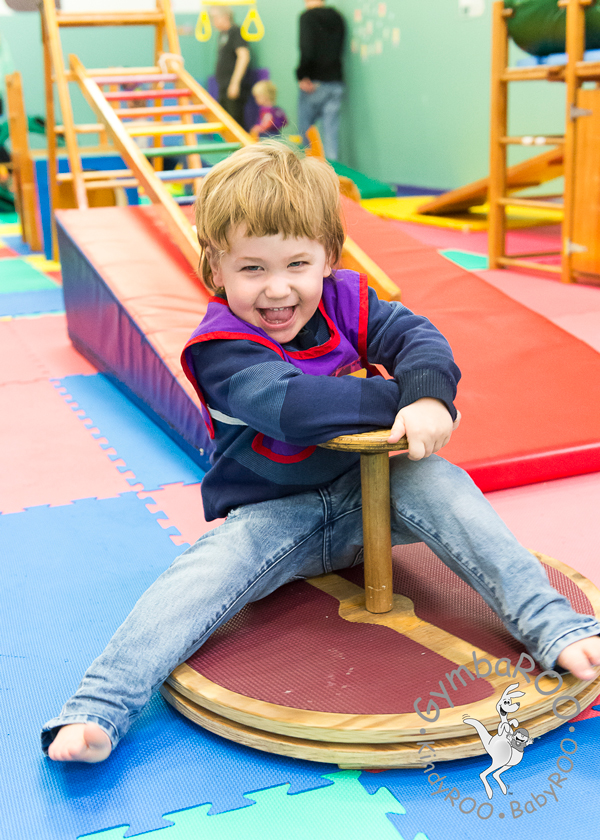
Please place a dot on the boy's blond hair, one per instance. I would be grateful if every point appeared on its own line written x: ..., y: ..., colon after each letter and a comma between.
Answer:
x: 265, y: 88
x: 269, y: 189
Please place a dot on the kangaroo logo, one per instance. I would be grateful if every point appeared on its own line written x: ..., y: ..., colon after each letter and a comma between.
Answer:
x: 507, y: 745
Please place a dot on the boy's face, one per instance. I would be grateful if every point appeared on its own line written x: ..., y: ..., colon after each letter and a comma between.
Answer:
x: 271, y: 282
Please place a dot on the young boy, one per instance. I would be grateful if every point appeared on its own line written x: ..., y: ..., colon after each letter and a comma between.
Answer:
x: 271, y: 119
x: 267, y: 362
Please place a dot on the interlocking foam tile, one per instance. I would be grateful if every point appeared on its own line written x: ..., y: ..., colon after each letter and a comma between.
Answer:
x: 147, y: 450
x: 47, y: 456
x: 17, y: 362
x: 466, y: 259
x: 5, y: 251
x: 181, y: 504
x: 69, y: 576
x: 573, y: 815
x: 558, y: 518
x: 19, y: 276
x: 40, y: 262
x: 341, y: 810
x: 46, y: 337
x: 32, y: 303
x: 16, y: 243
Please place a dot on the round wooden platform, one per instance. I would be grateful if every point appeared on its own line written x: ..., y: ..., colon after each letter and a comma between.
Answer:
x: 308, y: 672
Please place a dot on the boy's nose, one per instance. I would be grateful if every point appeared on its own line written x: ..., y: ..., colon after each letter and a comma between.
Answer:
x: 278, y: 287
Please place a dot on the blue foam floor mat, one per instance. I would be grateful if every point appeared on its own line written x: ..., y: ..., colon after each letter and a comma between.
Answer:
x: 147, y: 450
x: 573, y: 815
x: 74, y: 574
x: 32, y: 303
x: 16, y: 244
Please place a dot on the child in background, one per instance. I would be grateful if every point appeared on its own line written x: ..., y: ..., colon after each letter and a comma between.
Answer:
x: 282, y: 326
x: 272, y: 119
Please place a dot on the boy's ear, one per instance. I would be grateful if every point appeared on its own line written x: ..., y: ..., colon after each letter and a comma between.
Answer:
x: 215, y: 266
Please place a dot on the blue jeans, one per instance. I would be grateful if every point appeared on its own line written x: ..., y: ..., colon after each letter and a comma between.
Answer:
x: 323, y: 104
x: 262, y: 546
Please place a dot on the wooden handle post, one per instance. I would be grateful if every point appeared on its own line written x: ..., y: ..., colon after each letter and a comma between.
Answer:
x: 375, y: 480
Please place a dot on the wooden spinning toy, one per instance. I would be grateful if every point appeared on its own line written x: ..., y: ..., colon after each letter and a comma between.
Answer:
x: 342, y: 668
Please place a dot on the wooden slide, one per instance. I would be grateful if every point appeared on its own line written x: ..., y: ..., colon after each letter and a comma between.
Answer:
x: 529, y: 173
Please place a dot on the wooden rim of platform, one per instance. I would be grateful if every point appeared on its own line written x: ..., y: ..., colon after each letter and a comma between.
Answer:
x: 312, y: 725
x: 354, y: 756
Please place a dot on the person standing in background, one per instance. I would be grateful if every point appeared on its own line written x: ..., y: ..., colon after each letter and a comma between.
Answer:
x: 322, y: 32
x: 233, y: 61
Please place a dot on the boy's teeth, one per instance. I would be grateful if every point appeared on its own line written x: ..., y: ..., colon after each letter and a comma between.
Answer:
x: 277, y: 314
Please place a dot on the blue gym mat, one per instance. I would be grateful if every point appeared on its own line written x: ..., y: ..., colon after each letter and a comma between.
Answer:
x: 40, y: 302
x: 69, y: 577
x: 147, y: 450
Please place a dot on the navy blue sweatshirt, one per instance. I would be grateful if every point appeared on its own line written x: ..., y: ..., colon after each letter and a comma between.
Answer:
x: 251, y: 391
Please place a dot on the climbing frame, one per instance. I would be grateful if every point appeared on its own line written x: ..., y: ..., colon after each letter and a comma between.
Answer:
x: 580, y: 159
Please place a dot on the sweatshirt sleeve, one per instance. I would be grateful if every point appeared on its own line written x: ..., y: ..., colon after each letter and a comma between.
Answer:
x: 307, y: 47
x: 252, y: 384
x: 413, y: 351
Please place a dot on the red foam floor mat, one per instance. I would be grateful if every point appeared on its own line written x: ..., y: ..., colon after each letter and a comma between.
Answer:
x: 17, y: 362
x: 571, y: 306
x: 47, y: 339
x: 558, y: 518
x: 329, y: 666
x: 520, y: 372
x: 182, y: 507
x: 517, y: 241
x: 48, y: 456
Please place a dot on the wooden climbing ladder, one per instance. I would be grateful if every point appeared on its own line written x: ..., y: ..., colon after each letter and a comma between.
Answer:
x: 173, y: 105
x: 205, y: 127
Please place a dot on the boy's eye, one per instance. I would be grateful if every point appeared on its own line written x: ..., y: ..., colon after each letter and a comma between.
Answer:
x: 297, y: 263
x: 252, y: 268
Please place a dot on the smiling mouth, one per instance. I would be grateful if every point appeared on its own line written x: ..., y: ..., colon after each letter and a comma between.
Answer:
x: 277, y: 316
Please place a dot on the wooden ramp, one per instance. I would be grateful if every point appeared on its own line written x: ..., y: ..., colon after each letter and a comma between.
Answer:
x: 529, y: 173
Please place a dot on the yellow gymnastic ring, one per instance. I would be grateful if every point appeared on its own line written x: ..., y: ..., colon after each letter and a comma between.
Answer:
x: 252, y: 18
x: 203, y: 26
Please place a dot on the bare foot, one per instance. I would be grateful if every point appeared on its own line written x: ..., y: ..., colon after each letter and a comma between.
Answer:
x: 80, y: 742
x: 582, y: 658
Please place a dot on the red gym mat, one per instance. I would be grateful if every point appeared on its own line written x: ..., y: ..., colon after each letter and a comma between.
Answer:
x: 530, y: 393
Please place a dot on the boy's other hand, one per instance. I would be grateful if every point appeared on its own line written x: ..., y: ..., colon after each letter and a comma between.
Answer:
x: 427, y: 425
